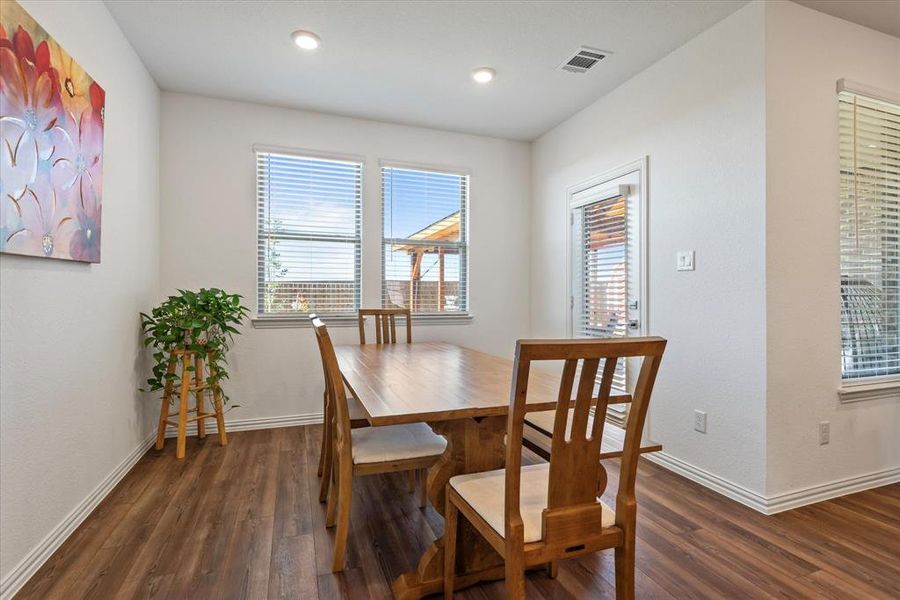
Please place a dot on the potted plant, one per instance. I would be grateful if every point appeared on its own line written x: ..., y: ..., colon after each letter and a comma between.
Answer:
x: 204, y: 322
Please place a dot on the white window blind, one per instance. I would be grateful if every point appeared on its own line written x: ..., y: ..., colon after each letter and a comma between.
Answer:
x: 425, y: 240
x: 600, y: 290
x: 308, y: 226
x: 870, y: 226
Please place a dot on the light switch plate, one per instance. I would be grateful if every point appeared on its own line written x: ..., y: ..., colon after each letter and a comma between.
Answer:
x: 684, y: 260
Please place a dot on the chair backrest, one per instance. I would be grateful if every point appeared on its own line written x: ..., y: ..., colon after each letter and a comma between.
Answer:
x: 336, y: 408
x: 385, y: 324
x: 576, y: 476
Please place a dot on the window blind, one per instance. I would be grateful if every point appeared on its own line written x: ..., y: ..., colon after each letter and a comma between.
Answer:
x: 600, y: 294
x: 308, y: 226
x: 424, y: 234
x: 869, y: 230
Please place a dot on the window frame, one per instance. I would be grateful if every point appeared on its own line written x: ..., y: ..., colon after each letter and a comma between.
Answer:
x: 855, y: 389
x: 463, y: 316
x: 640, y: 221
x: 294, y: 319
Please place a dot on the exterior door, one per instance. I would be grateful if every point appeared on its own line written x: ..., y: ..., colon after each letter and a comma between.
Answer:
x: 606, y: 277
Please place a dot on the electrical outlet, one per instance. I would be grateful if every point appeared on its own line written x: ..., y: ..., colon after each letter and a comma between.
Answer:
x: 700, y: 421
x: 824, y: 432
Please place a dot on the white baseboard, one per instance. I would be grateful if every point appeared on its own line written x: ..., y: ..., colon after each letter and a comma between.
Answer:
x: 28, y: 566
x: 833, y: 489
x: 616, y: 435
x: 13, y: 581
x: 769, y: 505
x: 259, y: 423
x: 710, y: 480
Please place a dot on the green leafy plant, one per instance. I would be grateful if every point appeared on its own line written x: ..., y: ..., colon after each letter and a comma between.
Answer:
x: 203, y: 322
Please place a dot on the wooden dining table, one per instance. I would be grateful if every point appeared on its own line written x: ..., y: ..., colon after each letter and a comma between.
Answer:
x: 463, y: 395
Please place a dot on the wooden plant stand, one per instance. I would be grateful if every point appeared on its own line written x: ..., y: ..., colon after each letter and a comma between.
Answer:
x: 199, y: 389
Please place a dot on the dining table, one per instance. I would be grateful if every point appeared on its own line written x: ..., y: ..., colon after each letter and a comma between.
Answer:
x: 463, y: 395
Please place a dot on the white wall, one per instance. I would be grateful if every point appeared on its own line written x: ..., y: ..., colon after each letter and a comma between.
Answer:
x: 740, y: 126
x: 807, y: 52
x: 699, y: 115
x: 70, y: 359
x: 209, y: 231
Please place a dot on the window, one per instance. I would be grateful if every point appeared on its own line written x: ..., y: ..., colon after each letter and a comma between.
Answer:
x: 425, y: 240
x: 869, y: 237
x: 308, y: 224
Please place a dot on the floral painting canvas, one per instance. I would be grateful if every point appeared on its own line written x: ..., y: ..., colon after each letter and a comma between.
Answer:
x: 51, y: 145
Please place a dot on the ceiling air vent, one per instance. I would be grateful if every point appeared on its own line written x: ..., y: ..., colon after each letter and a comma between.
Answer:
x: 583, y: 59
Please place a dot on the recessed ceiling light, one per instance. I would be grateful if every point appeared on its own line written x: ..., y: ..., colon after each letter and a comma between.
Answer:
x: 483, y: 74
x: 306, y: 39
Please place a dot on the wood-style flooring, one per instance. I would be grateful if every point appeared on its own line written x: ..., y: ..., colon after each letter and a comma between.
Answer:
x: 244, y: 521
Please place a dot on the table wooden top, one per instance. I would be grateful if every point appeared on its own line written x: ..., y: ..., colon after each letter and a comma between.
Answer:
x: 435, y: 381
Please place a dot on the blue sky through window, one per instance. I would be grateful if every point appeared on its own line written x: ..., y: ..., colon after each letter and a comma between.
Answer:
x: 414, y: 200
x: 317, y: 200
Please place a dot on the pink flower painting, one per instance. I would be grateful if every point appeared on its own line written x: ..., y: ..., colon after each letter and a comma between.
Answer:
x: 51, y: 145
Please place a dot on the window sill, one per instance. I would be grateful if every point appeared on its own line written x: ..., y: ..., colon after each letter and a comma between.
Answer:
x: 443, y: 319
x: 869, y: 390
x: 302, y: 321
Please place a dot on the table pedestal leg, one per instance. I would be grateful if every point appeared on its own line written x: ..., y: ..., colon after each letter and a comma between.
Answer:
x: 473, y: 446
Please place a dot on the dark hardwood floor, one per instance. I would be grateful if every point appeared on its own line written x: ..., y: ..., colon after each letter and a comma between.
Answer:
x: 244, y: 522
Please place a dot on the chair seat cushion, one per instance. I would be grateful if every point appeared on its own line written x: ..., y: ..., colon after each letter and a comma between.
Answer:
x: 395, y: 442
x: 485, y: 493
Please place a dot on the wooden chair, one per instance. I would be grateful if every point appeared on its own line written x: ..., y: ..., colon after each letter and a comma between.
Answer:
x: 365, y: 451
x: 541, y: 513
x: 385, y: 324
x: 385, y: 332
x: 357, y: 419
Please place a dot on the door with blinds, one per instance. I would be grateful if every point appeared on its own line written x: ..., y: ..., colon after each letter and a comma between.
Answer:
x: 606, y: 267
